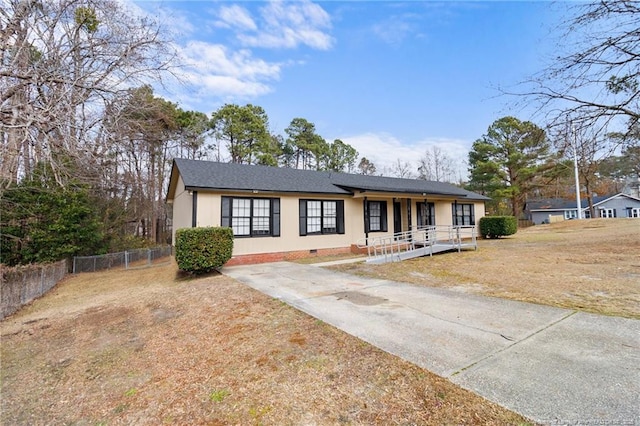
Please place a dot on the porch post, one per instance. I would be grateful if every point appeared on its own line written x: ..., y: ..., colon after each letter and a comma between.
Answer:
x: 365, y: 209
x: 455, y: 212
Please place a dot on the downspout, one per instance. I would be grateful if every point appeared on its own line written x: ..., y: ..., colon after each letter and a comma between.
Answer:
x: 194, y: 209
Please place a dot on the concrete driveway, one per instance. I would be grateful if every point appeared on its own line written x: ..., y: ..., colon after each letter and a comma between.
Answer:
x: 554, y: 366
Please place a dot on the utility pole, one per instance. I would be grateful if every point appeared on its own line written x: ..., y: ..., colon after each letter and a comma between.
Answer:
x: 575, y: 171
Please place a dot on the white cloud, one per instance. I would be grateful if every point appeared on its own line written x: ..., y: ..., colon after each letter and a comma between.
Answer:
x: 383, y: 150
x: 396, y: 28
x: 288, y: 25
x: 235, y: 16
x: 215, y: 71
x: 212, y: 71
x: 171, y: 20
x: 216, y: 58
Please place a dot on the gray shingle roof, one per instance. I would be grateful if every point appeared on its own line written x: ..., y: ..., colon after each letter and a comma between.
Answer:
x: 198, y: 174
x: 561, y: 203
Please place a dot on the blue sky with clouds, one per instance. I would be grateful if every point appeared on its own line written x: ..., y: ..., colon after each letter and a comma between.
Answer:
x: 390, y: 78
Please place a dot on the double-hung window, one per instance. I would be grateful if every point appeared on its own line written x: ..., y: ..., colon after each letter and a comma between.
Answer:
x: 321, y: 217
x: 607, y: 213
x: 633, y: 211
x: 426, y: 214
x: 251, y: 217
x: 375, y: 216
x: 463, y: 214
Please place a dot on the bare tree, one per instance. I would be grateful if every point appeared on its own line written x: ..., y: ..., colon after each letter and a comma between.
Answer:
x: 400, y: 169
x: 61, y: 62
x: 591, y: 147
x: 595, y: 80
x: 436, y: 165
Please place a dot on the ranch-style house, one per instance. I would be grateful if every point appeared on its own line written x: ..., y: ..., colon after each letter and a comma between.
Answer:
x: 283, y: 213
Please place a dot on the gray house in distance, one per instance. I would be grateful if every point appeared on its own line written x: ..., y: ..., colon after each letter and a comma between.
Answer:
x: 611, y: 206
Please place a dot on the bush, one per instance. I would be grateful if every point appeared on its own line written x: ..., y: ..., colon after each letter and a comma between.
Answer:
x: 201, y: 250
x: 498, y: 226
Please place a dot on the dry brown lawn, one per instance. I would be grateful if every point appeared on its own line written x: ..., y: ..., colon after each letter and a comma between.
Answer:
x: 589, y: 265
x: 152, y: 347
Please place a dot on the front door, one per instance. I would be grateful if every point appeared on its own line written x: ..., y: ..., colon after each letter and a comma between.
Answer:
x: 397, y: 217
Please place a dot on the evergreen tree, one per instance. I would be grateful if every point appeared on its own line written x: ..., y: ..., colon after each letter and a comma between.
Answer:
x: 43, y: 222
x: 503, y: 163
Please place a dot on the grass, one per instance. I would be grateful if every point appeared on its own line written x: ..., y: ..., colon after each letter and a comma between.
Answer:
x: 152, y: 346
x: 218, y: 395
x: 589, y: 265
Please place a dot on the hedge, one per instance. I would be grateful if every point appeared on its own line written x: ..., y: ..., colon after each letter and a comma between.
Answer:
x: 201, y: 250
x: 498, y: 226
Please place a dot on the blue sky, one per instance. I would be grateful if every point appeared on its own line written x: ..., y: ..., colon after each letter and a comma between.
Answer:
x: 390, y: 78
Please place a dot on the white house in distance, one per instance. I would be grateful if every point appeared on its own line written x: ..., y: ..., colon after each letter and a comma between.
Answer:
x: 611, y: 206
x: 282, y: 213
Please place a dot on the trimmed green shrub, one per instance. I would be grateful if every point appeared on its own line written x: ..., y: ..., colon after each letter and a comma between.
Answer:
x: 498, y: 226
x: 201, y: 250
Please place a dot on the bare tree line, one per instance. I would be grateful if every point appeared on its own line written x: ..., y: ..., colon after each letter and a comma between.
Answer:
x: 76, y: 94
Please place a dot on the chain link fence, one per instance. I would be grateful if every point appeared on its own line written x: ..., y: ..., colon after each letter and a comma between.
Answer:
x: 21, y: 284
x: 129, y: 259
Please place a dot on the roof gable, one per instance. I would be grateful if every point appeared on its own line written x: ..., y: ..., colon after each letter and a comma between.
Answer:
x: 609, y: 198
x: 197, y: 174
x: 565, y: 204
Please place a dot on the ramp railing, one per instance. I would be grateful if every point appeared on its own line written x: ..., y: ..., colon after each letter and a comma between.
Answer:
x: 421, y: 239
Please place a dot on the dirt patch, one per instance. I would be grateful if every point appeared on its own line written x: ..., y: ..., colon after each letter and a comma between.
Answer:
x: 589, y: 265
x: 154, y: 347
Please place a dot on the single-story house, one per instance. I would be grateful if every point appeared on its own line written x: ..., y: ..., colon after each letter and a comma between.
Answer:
x: 611, y: 206
x: 283, y: 213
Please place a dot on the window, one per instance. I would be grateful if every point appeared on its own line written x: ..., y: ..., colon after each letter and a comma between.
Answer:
x: 251, y: 217
x: 375, y: 216
x: 633, y: 212
x: 608, y: 213
x: 321, y: 217
x: 241, y: 216
x: 463, y: 214
x: 570, y: 214
x: 426, y: 214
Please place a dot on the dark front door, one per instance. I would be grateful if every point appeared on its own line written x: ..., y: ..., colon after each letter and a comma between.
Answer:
x: 397, y: 217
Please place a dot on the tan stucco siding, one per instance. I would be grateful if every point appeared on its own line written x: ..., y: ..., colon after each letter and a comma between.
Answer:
x: 209, y: 212
x: 182, y: 210
x: 480, y: 212
x: 443, y: 213
x: 208, y: 209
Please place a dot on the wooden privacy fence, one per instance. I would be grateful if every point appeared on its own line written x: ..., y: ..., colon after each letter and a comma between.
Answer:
x: 21, y: 284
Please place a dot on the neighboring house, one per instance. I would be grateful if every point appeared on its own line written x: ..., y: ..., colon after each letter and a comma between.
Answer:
x: 282, y: 213
x: 612, y: 206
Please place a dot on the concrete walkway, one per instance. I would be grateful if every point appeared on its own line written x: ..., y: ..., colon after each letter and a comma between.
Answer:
x: 554, y: 366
